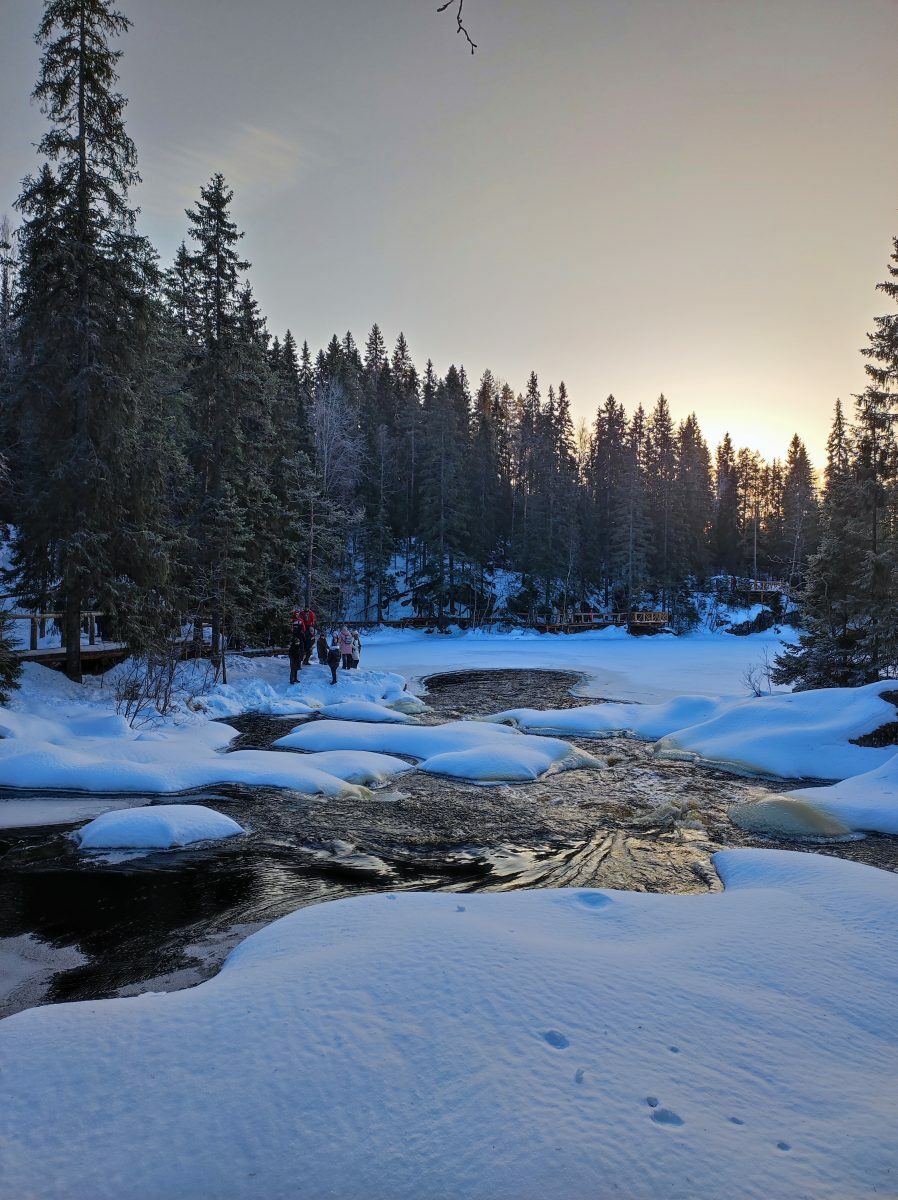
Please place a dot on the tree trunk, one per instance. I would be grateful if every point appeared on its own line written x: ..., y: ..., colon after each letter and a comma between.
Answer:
x: 72, y: 625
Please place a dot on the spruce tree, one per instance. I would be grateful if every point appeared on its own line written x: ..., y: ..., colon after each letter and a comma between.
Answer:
x: 232, y: 512
x: 86, y: 317
x: 800, y: 512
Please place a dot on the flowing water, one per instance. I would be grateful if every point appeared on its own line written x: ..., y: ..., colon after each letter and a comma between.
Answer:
x: 94, y: 927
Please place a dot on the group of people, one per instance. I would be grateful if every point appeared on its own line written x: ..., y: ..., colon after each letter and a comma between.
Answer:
x: 344, y: 648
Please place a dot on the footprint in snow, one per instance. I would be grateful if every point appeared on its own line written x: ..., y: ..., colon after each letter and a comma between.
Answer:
x: 459, y: 908
x: 736, y: 1121
x: 578, y: 1078
x: 664, y: 1116
x: 783, y: 1146
x: 556, y: 1039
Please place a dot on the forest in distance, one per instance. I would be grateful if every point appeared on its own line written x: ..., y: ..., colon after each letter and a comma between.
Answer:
x: 168, y: 460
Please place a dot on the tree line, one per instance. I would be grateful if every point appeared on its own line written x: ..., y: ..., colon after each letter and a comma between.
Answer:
x: 169, y: 460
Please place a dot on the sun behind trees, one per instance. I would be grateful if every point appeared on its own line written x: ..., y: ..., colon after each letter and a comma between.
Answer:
x: 173, y: 464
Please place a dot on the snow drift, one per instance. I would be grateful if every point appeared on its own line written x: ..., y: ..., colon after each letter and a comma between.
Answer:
x: 532, y: 1044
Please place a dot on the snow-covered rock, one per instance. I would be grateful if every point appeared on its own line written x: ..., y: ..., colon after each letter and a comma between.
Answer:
x: 158, y: 826
x: 364, y: 710
x: 465, y: 749
x: 549, y: 1044
x: 595, y: 720
x: 867, y: 802
x: 800, y: 735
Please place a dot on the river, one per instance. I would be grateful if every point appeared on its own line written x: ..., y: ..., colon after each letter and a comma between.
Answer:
x: 166, y: 920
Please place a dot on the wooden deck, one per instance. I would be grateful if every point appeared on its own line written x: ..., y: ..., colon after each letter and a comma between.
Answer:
x: 644, y: 622
x: 99, y: 657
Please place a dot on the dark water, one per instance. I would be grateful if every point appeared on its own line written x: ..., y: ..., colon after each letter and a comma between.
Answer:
x: 167, y: 920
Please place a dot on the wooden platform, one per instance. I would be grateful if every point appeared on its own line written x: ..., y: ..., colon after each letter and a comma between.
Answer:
x: 646, y: 622
x: 99, y: 657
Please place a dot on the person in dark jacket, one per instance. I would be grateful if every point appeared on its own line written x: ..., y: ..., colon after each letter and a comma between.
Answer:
x: 295, y: 652
x: 322, y: 649
x: 333, y: 658
x: 308, y: 641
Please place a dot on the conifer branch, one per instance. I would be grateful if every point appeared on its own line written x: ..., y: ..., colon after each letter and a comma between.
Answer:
x: 460, y: 25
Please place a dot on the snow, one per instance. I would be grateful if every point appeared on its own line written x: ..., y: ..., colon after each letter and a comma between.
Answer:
x: 364, y: 710
x: 159, y: 826
x: 358, y: 766
x: 797, y: 735
x: 27, y: 965
x: 105, y: 755
x: 867, y: 803
x: 650, y: 669
x: 528, y: 1044
x: 800, y: 735
x: 262, y: 685
x: 464, y: 749
x: 596, y: 720
x: 25, y: 814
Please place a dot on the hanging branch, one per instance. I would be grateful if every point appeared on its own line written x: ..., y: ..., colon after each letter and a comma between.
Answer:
x: 460, y: 26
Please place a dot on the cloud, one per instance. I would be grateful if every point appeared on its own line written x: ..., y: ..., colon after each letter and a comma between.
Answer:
x: 257, y: 163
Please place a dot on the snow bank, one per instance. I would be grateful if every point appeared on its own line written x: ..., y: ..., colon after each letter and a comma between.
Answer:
x: 799, y: 735
x: 464, y: 749
x: 867, y: 802
x: 107, y: 756
x: 262, y: 685
x: 531, y: 1044
x: 159, y: 827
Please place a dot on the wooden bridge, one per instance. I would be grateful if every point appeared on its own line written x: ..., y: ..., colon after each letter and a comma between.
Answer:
x: 97, y: 655
x: 635, y: 621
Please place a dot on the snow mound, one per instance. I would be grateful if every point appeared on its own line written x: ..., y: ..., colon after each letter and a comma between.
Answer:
x: 788, y: 817
x: 159, y: 827
x: 357, y: 766
x: 595, y: 720
x: 521, y: 1044
x: 798, y: 735
x: 867, y: 802
x: 365, y: 710
x: 41, y: 754
x: 464, y: 749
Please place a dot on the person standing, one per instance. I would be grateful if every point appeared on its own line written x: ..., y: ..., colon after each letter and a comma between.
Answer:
x: 345, y: 644
x: 308, y: 636
x: 333, y: 657
x: 295, y: 653
x: 356, y: 652
x: 322, y: 649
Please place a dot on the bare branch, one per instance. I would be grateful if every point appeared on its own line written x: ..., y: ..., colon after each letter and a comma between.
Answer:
x: 460, y: 26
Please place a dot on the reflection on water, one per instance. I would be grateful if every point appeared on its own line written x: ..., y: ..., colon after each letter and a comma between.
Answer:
x: 168, y: 919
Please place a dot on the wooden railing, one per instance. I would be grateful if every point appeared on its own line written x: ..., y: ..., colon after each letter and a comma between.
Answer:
x: 39, y: 624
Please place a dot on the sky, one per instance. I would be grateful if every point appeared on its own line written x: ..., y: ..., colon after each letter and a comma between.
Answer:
x: 635, y: 196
